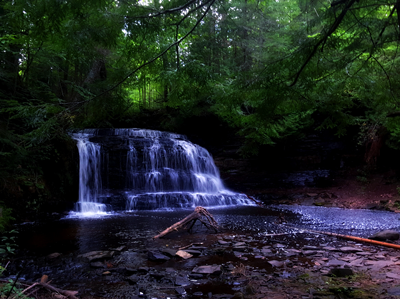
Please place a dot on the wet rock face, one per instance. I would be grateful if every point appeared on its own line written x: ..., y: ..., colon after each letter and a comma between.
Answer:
x: 135, y: 169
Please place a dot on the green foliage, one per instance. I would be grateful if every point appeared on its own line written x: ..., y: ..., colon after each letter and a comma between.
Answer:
x: 11, y: 290
x: 8, y: 243
x: 5, y: 217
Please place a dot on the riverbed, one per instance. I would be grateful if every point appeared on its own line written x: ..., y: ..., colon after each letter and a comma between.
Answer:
x: 251, y: 237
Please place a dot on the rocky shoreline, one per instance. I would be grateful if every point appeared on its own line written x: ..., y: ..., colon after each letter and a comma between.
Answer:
x: 229, y: 264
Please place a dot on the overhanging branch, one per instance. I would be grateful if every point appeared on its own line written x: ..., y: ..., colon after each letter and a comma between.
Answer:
x: 333, y: 28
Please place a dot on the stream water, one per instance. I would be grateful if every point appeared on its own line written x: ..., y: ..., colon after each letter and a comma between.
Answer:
x: 135, y: 229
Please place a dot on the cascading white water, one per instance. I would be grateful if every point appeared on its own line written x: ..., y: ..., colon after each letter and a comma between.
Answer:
x: 136, y: 169
x: 90, y: 185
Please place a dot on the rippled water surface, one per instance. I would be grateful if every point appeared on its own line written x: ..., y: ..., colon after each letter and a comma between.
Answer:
x: 135, y: 229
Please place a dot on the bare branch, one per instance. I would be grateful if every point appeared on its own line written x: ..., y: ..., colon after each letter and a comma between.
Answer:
x: 333, y: 28
x: 167, y: 11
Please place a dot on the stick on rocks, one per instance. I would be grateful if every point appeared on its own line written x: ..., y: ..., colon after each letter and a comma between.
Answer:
x: 200, y: 214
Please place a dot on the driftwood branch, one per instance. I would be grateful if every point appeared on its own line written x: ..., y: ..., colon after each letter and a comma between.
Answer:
x: 353, y: 238
x: 200, y: 214
x: 44, y: 284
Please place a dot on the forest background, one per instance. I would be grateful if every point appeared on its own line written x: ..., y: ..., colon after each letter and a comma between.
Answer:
x: 269, y: 71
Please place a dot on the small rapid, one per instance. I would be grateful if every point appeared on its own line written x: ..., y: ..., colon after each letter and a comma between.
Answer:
x: 136, y: 169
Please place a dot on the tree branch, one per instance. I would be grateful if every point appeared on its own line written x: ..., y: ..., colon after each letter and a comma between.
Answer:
x: 323, y: 40
x: 167, y: 11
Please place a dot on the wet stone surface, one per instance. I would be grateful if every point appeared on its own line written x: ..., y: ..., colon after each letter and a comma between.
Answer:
x: 272, y: 261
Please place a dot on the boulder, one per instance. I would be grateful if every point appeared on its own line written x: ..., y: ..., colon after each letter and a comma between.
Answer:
x: 386, y: 235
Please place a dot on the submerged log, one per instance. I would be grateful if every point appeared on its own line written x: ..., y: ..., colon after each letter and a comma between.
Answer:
x: 200, y: 214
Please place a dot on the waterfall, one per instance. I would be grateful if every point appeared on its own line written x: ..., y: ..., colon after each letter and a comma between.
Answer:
x: 136, y: 169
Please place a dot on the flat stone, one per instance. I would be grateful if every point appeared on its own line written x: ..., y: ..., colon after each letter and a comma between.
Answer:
x: 54, y: 255
x: 277, y: 264
x: 97, y: 255
x: 240, y: 248
x: 350, y: 249
x: 183, y: 254
x: 222, y: 242
x: 347, y: 258
x: 193, y: 252
x: 392, y: 275
x: 309, y: 248
x: 182, y: 281
x: 381, y: 264
x: 239, y: 244
x: 329, y: 248
x: 266, y: 251
x: 363, y: 253
x: 106, y: 273
x: 198, y: 248
x: 386, y: 235
x: 180, y: 291
x: 157, y: 256
x: 120, y: 248
x: 197, y: 294
x: 335, y: 262
x: 357, y: 262
x: 309, y: 252
x: 168, y: 252
x: 380, y: 257
x: 215, y: 269
x: 292, y: 250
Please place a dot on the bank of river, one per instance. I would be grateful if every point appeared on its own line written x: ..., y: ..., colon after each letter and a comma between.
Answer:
x: 256, y: 254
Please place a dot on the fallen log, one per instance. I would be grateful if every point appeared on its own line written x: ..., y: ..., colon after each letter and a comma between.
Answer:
x: 353, y: 238
x: 200, y: 214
